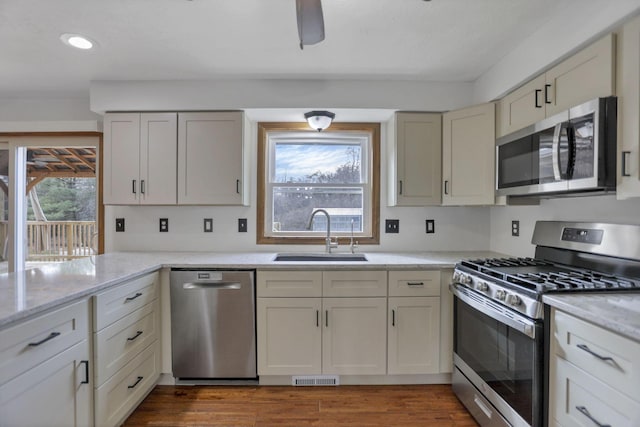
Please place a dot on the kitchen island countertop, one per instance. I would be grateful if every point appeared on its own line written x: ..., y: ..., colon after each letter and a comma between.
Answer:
x: 617, y: 311
x: 37, y: 290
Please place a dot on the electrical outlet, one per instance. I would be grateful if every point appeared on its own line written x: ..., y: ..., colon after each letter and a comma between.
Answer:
x: 392, y: 226
x: 242, y: 225
x: 515, y: 228
x: 119, y: 225
x: 208, y: 225
x: 164, y: 225
x: 431, y: 226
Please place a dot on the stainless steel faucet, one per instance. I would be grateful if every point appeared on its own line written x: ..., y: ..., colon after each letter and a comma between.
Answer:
x: 329, y: 244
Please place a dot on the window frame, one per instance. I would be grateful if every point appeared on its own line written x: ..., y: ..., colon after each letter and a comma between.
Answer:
x: 264, y: 129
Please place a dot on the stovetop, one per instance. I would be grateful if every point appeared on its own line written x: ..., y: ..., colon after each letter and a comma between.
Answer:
x: 540, y: 276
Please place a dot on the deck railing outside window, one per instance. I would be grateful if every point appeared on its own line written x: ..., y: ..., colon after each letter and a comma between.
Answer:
x: 60, y: 240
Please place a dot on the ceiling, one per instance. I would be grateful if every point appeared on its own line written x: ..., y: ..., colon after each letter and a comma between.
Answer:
x: 438, y: 40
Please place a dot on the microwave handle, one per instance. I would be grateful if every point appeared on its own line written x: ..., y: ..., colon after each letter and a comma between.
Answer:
x: 571, y: 161
x: 555, y: 151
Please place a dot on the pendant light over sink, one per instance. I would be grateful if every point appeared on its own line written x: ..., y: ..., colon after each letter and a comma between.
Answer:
x: 319, y: 120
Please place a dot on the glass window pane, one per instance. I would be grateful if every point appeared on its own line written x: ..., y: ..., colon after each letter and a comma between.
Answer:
x: 293, y: 206
x: 318, y: 163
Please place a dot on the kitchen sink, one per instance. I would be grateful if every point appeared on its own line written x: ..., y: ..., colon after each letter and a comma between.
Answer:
x: 323, y: 257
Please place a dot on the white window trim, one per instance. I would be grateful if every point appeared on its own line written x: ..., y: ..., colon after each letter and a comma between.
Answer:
x: 362, y: 138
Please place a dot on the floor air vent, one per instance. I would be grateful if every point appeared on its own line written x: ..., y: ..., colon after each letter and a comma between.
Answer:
x: 314, y: 380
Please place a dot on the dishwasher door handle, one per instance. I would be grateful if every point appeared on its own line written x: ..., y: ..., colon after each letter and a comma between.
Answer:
x: 211, y: 285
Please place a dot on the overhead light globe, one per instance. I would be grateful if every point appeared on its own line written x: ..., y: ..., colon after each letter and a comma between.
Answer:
x: 319, y: 120
x: 78, y: 41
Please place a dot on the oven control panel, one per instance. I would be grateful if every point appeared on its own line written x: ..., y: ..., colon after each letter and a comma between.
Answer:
x: 520, y: 303
x: 582, y: 235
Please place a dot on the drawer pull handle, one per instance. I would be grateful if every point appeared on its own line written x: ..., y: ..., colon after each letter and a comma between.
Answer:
x: 86, y: 372
x: 51, y: 336
x: 136, y: 383
x: 138, y: 294
x: 135, y: 336
x: 586, y: 413
x: 415, y: 283
x: 593, y: 353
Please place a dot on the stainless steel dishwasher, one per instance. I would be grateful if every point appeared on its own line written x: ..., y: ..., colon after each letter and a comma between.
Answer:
x: 213, y: 324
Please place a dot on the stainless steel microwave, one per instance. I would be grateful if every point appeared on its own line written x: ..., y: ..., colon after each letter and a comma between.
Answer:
x: 571, y: 152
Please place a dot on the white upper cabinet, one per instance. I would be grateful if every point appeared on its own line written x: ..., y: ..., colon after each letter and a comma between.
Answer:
x: 628, y: 89
x: 140, y: 158
x: 418, y: 169
x: 586, y: 75
x: 468, y: 156
x: 210, y: 158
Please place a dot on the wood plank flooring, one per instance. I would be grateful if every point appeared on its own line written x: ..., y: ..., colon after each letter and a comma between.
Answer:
x: 406, y: 405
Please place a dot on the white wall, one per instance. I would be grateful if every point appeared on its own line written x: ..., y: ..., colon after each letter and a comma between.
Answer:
x: 48, y: 113
x: 590, y: 209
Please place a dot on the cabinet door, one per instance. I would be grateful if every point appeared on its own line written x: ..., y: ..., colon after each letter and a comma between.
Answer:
x: 354, y: 337
x: 158, y: 153
x: 121, y: 159
x: 210, y: 166
x: 418, y: 161
x: 586, y: 75
x: 414, y: 335
x: 628, y: 88
x: 57, y: 392
x: 289, y: 336
x: 468, y: 156
x: 522, y: 107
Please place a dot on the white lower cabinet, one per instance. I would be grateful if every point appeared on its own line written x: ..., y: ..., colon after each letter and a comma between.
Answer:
x: 414, y: 335
x: 57, y: 392
x: 45, y: 370
x: 343, y: 323
x: 289, y: 336
x: 353, y: 337
x: 594, y: 375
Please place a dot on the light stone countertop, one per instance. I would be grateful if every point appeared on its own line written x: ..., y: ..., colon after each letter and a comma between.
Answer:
x: 617, y: 311
x: 34, y: 291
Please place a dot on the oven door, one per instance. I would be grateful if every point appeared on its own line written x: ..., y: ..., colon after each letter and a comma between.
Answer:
x: 500, y: 352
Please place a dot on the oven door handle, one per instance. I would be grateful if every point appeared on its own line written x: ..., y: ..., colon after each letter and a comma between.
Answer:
x: 513, y: 320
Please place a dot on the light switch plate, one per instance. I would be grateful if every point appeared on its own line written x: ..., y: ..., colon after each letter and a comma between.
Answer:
x: 242, y: 225
x: 208, y: 225
x: 164, y: 225
x: 119, y: 225
x: 392, y: 226
x: 431, y: 226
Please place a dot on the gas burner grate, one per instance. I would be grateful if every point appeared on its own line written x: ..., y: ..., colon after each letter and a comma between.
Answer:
x: 568, y: 280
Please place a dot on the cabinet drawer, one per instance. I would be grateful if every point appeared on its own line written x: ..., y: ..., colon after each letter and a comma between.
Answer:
x: 124, y: 299
x: 580, y: 396
x: 116, y: 398
x: 354, y: 284
x: 414, y: 283
x: 585, y: 345
x: 121, y: 341
x: 32, y: 342
x: 289, y: 283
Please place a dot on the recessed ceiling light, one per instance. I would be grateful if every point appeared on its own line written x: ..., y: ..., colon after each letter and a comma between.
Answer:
x: 78, y: 41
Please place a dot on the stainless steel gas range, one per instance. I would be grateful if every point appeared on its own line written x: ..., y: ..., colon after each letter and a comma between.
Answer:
x: 500, y: 328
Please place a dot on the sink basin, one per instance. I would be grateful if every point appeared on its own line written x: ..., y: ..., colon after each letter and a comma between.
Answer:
x: 320, y: 257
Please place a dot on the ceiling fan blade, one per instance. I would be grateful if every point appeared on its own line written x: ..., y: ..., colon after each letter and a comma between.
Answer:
x: 310, y: 22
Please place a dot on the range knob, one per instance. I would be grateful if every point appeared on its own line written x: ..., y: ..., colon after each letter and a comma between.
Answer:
x: 501, y: 295
x: 482, y: 286
x: 467, y: 280
x: 514, y: 300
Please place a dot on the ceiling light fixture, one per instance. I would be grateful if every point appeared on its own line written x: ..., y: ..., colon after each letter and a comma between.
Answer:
x: 319, y: 120
x: 78, y: 41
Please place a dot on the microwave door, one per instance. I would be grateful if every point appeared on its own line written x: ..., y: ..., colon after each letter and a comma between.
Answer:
x: 584, y: 171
